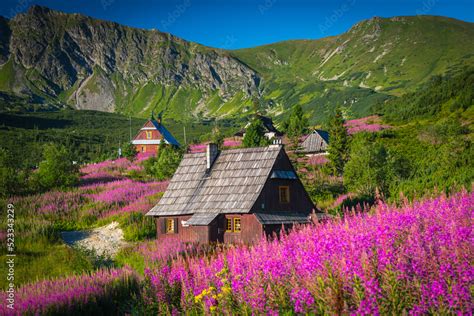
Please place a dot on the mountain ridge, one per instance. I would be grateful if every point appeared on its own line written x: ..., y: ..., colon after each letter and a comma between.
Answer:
x: 50, y: 57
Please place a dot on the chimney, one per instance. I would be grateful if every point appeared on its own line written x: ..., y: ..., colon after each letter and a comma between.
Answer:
x: 211, y: 155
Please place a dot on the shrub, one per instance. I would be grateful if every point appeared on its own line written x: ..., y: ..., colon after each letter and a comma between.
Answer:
x: 9, y: 180
x: 129, y: 151
x: 57, y: 169
x: 164, y: 165
x: 369, y: 167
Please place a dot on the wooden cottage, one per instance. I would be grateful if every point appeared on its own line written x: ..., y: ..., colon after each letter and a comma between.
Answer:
x: 236, y: 195
x: 316, y: 142
x: 150, y: 136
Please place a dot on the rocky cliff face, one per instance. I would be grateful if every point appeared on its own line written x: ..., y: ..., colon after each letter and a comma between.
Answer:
x: 88, y: 63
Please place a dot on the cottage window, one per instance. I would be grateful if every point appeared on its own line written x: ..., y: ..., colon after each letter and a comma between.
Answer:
x: 148, y: 134
x: 284, y: 194
x: 237, y: 227
x: 228, y: 225
x: 170, y: 226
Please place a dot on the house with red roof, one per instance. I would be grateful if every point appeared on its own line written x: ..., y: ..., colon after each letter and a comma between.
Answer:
x: 151, y: 135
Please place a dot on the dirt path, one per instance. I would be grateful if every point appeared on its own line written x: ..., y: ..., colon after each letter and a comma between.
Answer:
x: 104, y: 241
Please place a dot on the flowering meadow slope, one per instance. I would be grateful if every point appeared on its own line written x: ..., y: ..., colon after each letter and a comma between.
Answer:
x: 106, y: 193
x: 365, y: 124
x: 415, y: 259
x: 97, y: 292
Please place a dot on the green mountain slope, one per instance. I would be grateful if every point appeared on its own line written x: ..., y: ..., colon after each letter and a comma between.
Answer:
x: 52, y: 59
x: 375, y: 59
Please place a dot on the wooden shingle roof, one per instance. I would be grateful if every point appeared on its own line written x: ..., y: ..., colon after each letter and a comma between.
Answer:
x: 282, y: 218
x: 317, y: 141
x: 231, y: 186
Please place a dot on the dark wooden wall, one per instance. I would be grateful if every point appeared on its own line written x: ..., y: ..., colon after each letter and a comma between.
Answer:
x: 269, y: 200
x: 185, y: 234
x: 251, y: 230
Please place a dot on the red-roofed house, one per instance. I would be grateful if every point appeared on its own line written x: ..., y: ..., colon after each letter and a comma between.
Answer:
x: 150, y: 136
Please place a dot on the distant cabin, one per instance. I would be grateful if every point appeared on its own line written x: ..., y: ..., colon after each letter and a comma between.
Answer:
x: 232, y: 196
x: 150, y: 136
x: 316, y: 142
x: 270, y: 130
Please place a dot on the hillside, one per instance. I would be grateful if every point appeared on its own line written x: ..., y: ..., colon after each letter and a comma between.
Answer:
x: 375, y: 59
x: 70, y: 59
x: 51, y: 59
x: 89, y: 135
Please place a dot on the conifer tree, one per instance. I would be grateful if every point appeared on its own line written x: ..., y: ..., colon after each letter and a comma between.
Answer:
x: 338, y: 144
x: 255, y: 135
x: 296, y: 124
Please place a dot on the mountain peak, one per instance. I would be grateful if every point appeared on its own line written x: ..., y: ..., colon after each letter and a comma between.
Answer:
x: 38, y: 10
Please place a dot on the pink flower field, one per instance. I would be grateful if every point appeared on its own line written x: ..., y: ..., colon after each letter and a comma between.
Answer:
x: 415, y: 259
x: 365, y: 124
x: 228, y: 143
x: 61, y: 296
x: 110, y: 170
x: 411, y: 260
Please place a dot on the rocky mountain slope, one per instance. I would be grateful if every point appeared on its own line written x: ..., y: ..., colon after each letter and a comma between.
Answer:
x: 48, y: 57
x: 93, y: 64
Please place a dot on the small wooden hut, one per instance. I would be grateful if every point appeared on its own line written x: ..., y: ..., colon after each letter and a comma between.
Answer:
x: 237, y: 195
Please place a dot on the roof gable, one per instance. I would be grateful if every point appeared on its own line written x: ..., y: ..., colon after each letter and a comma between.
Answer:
x: 163, y: 131
x: 233, y: 184
x: 312, y: 143
x: 166, y: 134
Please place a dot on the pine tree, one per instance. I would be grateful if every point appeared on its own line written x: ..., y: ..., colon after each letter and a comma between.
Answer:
x: 296, y: 124
x: 255, y: 135
x: 338, y: 144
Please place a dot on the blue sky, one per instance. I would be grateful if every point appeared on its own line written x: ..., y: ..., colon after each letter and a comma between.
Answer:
x: 246, y: 23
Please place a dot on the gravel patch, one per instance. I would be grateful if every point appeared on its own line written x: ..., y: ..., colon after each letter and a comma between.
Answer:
x: 105, y: 241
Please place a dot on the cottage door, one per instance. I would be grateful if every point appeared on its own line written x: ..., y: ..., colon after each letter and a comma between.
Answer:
x: 219, y: 229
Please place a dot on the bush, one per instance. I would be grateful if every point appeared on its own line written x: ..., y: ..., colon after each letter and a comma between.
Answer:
x: 57, y: 169
x: 136, y: 226
x: 129, y: 151
x: 369, y: 167
x: 164, y: 165
x: 9, y: 180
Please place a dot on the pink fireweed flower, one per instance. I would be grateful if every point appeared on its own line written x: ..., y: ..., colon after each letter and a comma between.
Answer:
x: 365, y: 124
x: 127, y: 190
x: 67, y: 294
x: 232, y: 143
x: 318, y: 160
x: 197, y: 148
x: 424, y: 249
